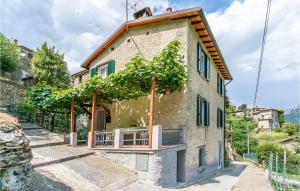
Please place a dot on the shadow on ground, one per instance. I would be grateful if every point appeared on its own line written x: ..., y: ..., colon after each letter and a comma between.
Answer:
x: 40, y: 182
x: 234, y: 170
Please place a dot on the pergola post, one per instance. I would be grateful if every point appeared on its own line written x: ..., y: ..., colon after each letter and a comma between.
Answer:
x: 151, y: 118
x: 91, y: 140
x: 73, y: 133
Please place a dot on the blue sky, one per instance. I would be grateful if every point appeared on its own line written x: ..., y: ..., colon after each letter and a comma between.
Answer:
x: 77, y: 27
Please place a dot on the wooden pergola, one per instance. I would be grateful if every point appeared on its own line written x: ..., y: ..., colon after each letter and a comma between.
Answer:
x: 93, y: 114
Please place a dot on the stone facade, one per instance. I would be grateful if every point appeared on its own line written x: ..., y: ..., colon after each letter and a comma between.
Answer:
x: 10, y: 91
x: 176, y: 110
x: 15, y: 155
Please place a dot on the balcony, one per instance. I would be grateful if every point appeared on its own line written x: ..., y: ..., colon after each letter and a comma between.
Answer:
x: 138, y: 139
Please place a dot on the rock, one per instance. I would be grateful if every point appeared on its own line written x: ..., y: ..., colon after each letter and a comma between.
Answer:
x: 15, y: 155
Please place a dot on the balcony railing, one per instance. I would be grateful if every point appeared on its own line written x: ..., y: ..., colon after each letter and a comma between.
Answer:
x: 104, y: 138
x: 138, y: 137
x: 135, y: 137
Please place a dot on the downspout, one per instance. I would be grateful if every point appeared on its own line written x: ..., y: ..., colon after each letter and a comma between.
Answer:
x: 224, y: 123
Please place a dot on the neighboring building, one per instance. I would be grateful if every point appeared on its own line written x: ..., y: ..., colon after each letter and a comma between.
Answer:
x: 264, y: 117
x: 195, y: 115
x: 79, y: 77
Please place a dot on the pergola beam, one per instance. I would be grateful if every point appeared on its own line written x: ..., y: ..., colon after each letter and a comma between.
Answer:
x: 93, y: 121
x: 151, y: 118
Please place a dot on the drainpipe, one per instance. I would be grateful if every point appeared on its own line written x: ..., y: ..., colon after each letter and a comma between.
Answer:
x: 224, y: 123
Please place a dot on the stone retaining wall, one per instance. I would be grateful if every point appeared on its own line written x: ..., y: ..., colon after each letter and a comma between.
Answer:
x: 10, y: 91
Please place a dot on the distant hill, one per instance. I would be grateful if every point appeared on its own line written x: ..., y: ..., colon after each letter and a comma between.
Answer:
x: 292, y: 115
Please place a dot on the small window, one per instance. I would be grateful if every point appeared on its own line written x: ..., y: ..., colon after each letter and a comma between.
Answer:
x: 202, y: 111
x: 220, y: 118
x: 203, y: 62
x: 102, y: 71
x: 80, y: 79
x: 202, y: 156
x: 220, y: 85
x: 29, y: 55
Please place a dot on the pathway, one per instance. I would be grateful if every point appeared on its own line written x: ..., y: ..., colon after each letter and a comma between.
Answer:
x: 253, y: 179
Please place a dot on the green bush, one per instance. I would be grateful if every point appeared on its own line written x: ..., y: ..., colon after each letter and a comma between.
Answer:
x: 264, y: 150
x: 272, y: 136
x: 25, y: 110
x: 238, y: 132
x: 82, y: 133
x: 291, y: 129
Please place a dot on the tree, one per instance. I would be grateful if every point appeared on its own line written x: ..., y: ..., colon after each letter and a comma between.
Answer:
x: 9, y: 55
x: 48, y: 66
x: 281, y: 117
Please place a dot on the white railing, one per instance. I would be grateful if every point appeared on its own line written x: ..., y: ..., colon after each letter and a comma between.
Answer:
x: 135, y: 136
x: 104, y: 138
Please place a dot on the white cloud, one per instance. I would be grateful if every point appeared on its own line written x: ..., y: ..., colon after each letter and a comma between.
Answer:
x: 239, y: 29
x: 77, y: 27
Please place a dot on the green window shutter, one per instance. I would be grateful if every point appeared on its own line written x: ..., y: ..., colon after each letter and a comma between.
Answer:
x: 111, y: 67
x: 207, y: 68
x: 198, y: 111
x: 207, y: 114
x: 218, y: 83
x: 93, y: 72
x: 198, y: 57
x: 218, y: 118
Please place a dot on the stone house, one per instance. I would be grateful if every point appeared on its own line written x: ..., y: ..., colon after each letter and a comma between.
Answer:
x: 188, y: 136
x: 265, y: 118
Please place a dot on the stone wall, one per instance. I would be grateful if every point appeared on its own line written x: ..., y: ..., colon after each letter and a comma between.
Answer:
x: 161, y: 164
x: 149, y: 40
x: 15, y: 155
x: 10, y: 91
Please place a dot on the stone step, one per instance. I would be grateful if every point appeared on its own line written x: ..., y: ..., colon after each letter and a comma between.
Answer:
x: 62, y: 159
x: 47, y: 144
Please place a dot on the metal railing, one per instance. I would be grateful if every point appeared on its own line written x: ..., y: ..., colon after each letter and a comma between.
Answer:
x: 104, y: 138
x: 135, y: 136
x: 172, y: 136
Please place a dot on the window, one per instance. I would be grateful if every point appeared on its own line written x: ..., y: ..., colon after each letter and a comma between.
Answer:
x: 202, y: 156
x: 80, y: 78
x: 220, y: 118
x: 202, y: 111
x: 203, y: 62
x: 104, y: 70
x: 220, y: 85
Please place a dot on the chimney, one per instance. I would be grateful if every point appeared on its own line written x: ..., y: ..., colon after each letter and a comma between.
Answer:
x: 169, y: 9
x: 145, y: 12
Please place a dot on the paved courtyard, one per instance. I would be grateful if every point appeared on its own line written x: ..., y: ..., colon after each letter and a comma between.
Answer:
x: 59, y: 167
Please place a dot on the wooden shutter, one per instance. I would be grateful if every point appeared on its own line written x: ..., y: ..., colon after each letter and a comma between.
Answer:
x: 207, y: 68
x: 93, y: 72
x: 111, y: 67
x: 198, y: 114
x: 198, y: 57
x: 218, y: 83
x: 207, y: 111
x: 218, y: 118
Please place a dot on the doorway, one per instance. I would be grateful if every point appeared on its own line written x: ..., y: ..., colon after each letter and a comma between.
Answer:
x: 181, y: 166
x: 100, y: 120
x: 220, y: 158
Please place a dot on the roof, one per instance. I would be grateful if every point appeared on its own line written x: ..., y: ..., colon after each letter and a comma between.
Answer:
x: 198, y: 20
x: 79, y: 73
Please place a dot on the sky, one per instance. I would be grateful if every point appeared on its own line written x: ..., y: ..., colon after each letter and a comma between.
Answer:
x: 77, y: 27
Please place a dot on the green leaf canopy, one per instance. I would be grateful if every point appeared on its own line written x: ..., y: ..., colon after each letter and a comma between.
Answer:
x: 132, y: 82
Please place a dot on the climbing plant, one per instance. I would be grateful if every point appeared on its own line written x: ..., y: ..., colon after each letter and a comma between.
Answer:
x: 132, y: 82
